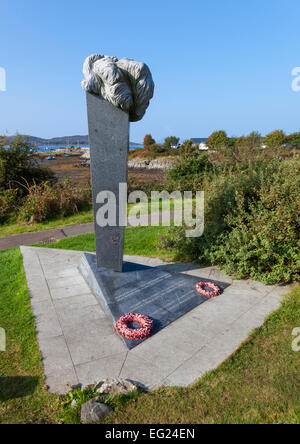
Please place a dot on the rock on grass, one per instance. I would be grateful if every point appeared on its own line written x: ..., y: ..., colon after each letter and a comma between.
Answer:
x: 94, y: 411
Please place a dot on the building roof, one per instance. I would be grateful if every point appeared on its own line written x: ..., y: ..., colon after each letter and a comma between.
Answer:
x: 199, y: 139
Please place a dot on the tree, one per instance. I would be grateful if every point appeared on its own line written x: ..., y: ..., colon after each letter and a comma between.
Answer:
x: 294, y: 140
x: 254, y: 139
x: 18, y: 165
x: 275, y: 139
x: 188, y: 149
x: 171, y: 141
x: 218, y: 139
x: 148, y: 141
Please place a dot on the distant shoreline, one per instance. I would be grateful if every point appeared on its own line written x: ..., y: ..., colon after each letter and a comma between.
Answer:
x: 52, y: 148
x: 60, y: 142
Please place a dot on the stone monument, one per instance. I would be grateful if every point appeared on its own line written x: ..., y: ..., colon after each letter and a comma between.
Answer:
x: 118, y: 92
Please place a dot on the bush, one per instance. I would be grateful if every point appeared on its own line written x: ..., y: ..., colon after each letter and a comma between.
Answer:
x: 154, y: 152
x: 294, y: 140
x: 252, y: 141
x: 139, y: 153
x: 45, y: 201
x: 171, y: 141
x: 242, y: 153
x: 156, y: 184
x: 18, y: 165
x: 159, y: 149
x: 189, y: 170
x: 8, y: 203
x: 218, y: 139
x: 275, y: 139
x: 148, y: 141
x: 252, y: 222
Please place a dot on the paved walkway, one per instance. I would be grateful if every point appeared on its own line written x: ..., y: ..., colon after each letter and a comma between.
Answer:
x: 48, y: 236
x: 78, y: 344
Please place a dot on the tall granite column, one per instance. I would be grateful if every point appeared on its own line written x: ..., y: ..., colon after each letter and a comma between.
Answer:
x: 109, y: 143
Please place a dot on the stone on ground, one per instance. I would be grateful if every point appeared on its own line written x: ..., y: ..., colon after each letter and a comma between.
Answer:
x: 116, y: 386
x: 93, y: 411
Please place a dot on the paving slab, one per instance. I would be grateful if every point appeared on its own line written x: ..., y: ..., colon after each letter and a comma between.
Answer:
x: 79, y: 346
x: 95, y: 371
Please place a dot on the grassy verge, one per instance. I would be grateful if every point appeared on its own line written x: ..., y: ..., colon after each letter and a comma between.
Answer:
x: 260, y: 383
x: 140, y: 241
x: 23, y: 398
x: 14, y: 227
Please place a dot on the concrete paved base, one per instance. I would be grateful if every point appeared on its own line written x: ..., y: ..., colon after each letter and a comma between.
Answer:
x: 78, y: 344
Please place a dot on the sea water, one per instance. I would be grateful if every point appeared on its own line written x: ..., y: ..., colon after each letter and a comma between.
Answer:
x: 50, y: 148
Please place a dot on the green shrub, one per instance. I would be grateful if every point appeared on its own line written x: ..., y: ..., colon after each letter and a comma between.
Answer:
x: 189, y: 171
x: 18, y: 165
x: 9, y: 201
x: 252, y: 222
x: 294, y: 140
x: 188, y: 148
x: 171, y: 141
x: 218, y: 139
x: 45, y: 201
x: 159, y: 149
x: 156, y: 184
x: 275, y: 139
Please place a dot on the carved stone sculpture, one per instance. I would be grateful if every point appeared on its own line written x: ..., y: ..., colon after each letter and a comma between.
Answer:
x: 125, y: 83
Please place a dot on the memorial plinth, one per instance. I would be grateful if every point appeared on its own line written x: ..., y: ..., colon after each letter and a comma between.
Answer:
x: 161, y: 295
x: 109, y: 144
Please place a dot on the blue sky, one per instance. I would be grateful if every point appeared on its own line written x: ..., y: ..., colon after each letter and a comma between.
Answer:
x: 216, y: 64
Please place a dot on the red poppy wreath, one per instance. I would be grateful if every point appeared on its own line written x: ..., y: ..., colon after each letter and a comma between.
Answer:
x: 135, y: 334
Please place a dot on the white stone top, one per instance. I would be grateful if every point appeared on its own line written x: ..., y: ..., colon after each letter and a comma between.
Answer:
x: 125, y: 83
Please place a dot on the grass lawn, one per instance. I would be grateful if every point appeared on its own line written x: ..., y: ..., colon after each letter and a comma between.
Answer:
x: 260, y: 383
x: 23, y: 398
x: 141, y: 241
x: 14, y: 227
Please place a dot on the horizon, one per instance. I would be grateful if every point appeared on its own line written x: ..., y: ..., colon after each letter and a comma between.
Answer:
x: 215, y: 66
